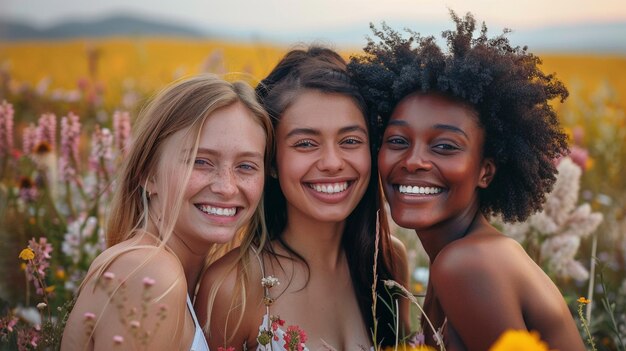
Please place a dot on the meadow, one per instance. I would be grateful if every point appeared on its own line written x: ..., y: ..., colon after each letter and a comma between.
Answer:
x: 69, y: 105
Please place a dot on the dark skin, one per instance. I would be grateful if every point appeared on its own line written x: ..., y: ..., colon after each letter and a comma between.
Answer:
x: 432, y: 166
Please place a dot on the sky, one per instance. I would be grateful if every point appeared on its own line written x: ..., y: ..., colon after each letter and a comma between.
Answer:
x: 281, y: 15
x: 281, y: 18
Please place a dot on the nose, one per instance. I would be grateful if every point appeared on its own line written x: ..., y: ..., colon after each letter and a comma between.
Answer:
x: 331, y: 160
x: 224, y: 182
x: 416, y: 159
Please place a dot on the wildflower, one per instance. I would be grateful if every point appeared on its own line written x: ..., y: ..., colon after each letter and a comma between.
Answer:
x: 27, y: 189
x: 118, y: 339
x: 121, y: 130
x: 522, y: 340
x: 37, y: 265
x: 46, y: 130
x: 27, y: 339
x: 41, y: 306
x: 70, y: 137
x: 294, y: 338
x: 148, y: 282
x: 6, y: 128
x: 27, y: 254
x: 269, y: 282
x: 7, y: 325
x: 29, y: 139
x: 583, y: 300
x: 89, y: 316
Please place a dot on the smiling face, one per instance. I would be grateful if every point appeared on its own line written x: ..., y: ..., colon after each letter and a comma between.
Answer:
x: 322, y: 156
x: 227, y: 178
x: 431, y: 162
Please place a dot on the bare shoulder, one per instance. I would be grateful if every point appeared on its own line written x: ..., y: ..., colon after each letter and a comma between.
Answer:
x: 224, y: 298
x: 123, y: 283
x: 479, y: 253
x: 400, y: 260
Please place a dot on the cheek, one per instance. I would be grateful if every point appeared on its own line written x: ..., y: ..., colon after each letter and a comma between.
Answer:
x: 384, y: 163
x: 252, y: 188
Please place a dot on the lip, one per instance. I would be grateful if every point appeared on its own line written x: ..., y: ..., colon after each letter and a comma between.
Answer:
x: 330, y: 191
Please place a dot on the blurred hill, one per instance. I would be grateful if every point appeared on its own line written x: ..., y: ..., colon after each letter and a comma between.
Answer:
x: 12, y: 30
x: 601, y: 38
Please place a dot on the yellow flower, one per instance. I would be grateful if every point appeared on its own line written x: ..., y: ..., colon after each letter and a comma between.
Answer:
x: 583, y: 300
x: 23, y: 266
x: 60, y: 274
x: 519, y: 340
x: 27, y: 254
x: 50, y: 289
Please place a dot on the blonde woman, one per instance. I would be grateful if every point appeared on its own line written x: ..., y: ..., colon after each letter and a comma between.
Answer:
x: 193, y: 179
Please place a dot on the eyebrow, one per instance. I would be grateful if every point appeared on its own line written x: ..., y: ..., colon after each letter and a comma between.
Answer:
x: 202, y: 150
x: 449, y: 127
x: 311, y: 131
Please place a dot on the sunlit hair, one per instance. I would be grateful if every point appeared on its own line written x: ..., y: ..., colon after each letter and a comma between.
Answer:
x: 318, y: 69
x: 503, y: 85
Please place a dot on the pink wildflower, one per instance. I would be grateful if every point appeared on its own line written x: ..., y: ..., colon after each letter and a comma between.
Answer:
x: 118, y: 339
x: 148, y: 282
x: 27, y: 339
x: 6, y: 128
x: 46, y: 130
x: 36, y: 268
x: 121, y: 130
x: 294, y: 338
x: 29, y: 139
x: 6, y: 326
x: 70, y: 137
x: 101, y: 153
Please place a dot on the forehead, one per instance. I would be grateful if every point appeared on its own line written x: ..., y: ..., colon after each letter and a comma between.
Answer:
x: 433, y: 108
x: 233, y: 125
x: 315, y: 109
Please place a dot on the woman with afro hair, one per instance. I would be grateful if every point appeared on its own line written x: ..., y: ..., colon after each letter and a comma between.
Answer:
x: 466, y: 134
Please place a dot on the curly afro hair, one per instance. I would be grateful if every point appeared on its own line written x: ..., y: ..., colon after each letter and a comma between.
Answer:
x: 502, y: 83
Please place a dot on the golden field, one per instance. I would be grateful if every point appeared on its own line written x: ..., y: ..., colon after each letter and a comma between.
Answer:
x: 149, y: 63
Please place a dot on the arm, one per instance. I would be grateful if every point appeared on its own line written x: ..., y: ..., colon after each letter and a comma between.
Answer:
x: 120, y: 315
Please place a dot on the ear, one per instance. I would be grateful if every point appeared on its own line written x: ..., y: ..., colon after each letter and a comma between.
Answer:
x: 150, y: 186
x: 273, y: 172
x: 487, y: 172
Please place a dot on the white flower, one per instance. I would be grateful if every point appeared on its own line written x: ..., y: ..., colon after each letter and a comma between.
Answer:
x: 269, y: 281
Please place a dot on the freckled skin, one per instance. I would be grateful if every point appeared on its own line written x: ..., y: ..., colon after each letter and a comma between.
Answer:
x: 481, y: 281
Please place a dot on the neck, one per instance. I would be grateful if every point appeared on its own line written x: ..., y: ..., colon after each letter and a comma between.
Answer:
x: 319, y: 243
x: 435, y: 238
x: 191, y: 261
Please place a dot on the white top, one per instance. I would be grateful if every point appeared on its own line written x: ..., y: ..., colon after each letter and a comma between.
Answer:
x: 199, y: 341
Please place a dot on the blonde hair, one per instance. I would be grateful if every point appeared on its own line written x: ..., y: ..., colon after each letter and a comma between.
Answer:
x: 183, y: 107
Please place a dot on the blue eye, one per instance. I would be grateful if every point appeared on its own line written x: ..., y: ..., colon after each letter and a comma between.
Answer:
x: 201, y: 162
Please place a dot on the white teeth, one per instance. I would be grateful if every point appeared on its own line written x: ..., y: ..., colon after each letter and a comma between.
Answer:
x: 407, y: 189
x: 330, y: 188
x: 219, y: 211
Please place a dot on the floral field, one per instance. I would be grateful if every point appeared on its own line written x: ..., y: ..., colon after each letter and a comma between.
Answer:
x: 66, y: 114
